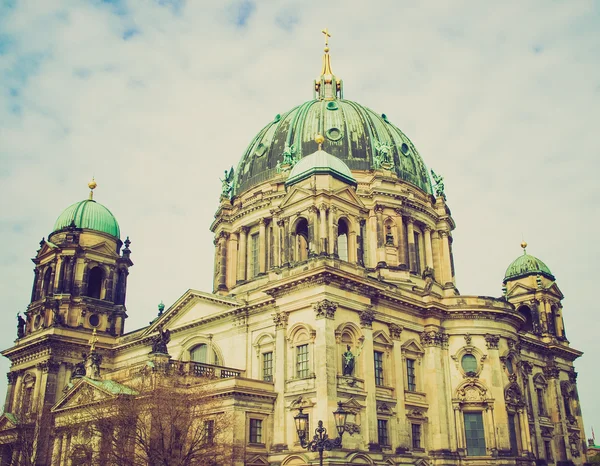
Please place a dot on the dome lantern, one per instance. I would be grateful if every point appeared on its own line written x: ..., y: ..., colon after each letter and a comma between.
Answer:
x: 526, y: 265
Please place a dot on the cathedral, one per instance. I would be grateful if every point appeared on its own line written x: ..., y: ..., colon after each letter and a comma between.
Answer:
x: 334, y: 306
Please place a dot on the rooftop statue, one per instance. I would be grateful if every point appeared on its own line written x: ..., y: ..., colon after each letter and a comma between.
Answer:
x: 439, y: 184
x: 227, y: 182
x: 383, y: 157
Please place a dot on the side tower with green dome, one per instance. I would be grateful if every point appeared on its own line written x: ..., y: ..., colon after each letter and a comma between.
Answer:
x: 80, y: 273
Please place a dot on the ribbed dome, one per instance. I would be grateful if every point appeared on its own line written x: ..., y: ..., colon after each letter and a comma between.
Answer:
x: 90, y: 215
x: 353, y: 133
x: 526, y: 265
x: 320, y: 163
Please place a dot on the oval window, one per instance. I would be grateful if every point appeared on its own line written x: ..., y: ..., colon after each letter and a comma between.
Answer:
x: 332, y: 106
x: 94, y: 320
x: 509, y: 366
x: 260, y: 150
x: 469, y: 363
x: 334, y: 134
x: 404, y: 148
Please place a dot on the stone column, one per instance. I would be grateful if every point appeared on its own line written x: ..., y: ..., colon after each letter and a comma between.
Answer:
x: 60, y: 276
x: 241, y: 271
x: 323, y: 240
x: 332, y: 243
x: 436, y: 385
x: 446, y: 269
x: 428, y: 248
x: 313, y: 240
x: 277, y: 224
x: 412, y: 254
x: 352, y: 244
x: 280, y: 413
x: 223, y: 240
x: 325, y: 355
x: 8, y: 403
x: 262, y: 245
x: 403, y: 434
x: 287, y: 258
x: 370, y: 423
x: 56, y: 447
x: 460, y: 428
x: 380, y: 236
x: 402, y: 260
x: 232, y: 260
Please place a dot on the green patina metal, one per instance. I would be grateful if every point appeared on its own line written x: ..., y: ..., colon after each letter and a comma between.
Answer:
x: 88, y: 214
x: 111, y: 386
x: 320, y: 163
x: 526, y: 265
x: 361, y: 138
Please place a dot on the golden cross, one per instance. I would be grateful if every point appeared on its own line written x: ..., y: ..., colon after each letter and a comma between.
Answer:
x: 327, y: 36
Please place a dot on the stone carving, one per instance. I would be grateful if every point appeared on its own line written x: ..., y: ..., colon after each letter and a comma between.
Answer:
x: 280, y: 319
x: 395, y: 331
x: 546, y: 431
x: 438, y: 185
x: 573, y: 376
x: 352, y: 428
x: 20, y: 326
x: 472, y: 392
x: 383, y: 157
x: 491, y: 341
x: 551, y: 371
x: 160, y: 341
x: 526, y: 367
x: 468, y: 339
x: 289, y: 159
x: 366, y: 318
x: 325, y: 308
x: 574, y: 441
x: 434, y: 338
x: 389, y: 237
x: 348, y: 361
x: 227, y: 183
x: 513, y: 396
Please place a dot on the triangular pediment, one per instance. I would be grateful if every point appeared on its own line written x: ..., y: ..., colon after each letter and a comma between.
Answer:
x: 86, y: 391
x: 46, y: 249
x: 193, y: 306
x: 381, y: 338
x: 348, y: 195
x: 413, y: 346
x: 519, y: 289
x: 294, y: 196
x: 555, y: 290
x: 8, y: 421
x: 103, y: 248
x: 257, y: 461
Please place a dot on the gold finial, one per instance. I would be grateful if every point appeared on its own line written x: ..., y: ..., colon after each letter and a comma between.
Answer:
x: 326, y: 68
x: 93, y: 341
x: 319, y: 139
x: 92, y: 185
x: 524, y: 245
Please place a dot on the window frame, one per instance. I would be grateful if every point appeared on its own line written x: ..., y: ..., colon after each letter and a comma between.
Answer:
x: 411, y: 386
x: 416, y: 442
x: 264, y: 368
x: 383, y: 433
x: 379, y: 369
x: 256, y: 431
x: 304, y: 372
x: 469, y: 451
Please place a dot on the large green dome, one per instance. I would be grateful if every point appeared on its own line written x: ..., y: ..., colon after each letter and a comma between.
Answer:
x: 353, y: 133
x: 90, y: 215
x: 526, y: 265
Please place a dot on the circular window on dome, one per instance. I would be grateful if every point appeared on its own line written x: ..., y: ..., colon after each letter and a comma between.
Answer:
x: 469, y: 364
x: 332, y: 106
x: 260, y: 150
x: 334, y: 134
x: 94, y: 320
x: 404, y: 148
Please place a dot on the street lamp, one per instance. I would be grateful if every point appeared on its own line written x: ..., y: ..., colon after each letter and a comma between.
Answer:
x: 321, y: 440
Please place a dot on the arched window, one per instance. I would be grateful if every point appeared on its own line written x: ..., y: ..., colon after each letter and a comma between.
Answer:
x: 199, y: 353
x: 121, y: 284
x: 27, y: 395
x: 47, y: 283
x: 342, y: 240
x: 526, y: 313
x: 95, y: 279
x: 302, y: 240
x: 552, y: 321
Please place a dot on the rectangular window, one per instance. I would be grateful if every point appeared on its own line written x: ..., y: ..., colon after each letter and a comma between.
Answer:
x: 416, y: 436
x: 382, y: 432
x: 540, y: 400
x: 255, y: 262
x: 475, y: 434
x: 378, y: 359
x: 268, y: 367
x: 410, y: 375
x: 512, y: 434
x: 417, y: 252
x: 256, y: 431
x: 208, y: 433
x: 302, y: 361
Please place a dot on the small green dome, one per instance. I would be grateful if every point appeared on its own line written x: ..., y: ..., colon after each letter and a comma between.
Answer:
x: 90, y: 215
x: 320, y: 162
x: 526, y: 265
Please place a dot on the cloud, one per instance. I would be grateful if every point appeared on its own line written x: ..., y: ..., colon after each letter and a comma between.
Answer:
x: 156, y: 99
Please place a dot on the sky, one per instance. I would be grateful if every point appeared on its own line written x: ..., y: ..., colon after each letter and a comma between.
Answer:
x: 156, y: 98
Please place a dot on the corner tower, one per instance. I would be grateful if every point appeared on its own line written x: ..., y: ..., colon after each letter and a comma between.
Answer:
x: 80, y: 275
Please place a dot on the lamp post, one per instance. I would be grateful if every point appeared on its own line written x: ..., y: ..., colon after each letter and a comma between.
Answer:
x: 321, y: 440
